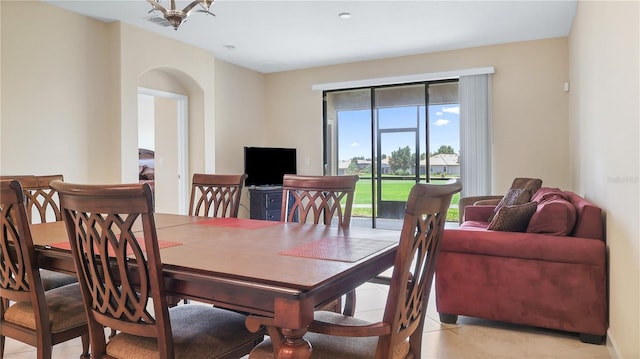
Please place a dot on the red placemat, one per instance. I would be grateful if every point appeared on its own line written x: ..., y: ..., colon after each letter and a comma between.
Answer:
x: 239, y: 223
x: 161, y: 244
x: 338, y: 249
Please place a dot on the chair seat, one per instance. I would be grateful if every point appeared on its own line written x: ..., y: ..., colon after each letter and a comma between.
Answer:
x: 52, y: 279
x: 66, y: 310
x: 334, y: 347
x: 199, y: 331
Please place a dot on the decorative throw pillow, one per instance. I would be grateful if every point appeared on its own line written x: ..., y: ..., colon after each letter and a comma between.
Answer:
x: 554, y: 216
x: 514, y: 196
x: 532, y: 184
x: 513, y: 218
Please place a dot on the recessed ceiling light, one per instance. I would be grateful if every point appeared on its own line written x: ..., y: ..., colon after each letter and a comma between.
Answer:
x: 344, y: 15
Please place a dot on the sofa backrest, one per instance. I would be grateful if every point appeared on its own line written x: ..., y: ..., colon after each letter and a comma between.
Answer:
x: 589, y: 218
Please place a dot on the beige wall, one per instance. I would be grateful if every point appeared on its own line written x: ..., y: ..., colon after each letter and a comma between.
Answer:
x: 240, y: 119
x: 240, y: 107
x: 55, y: 112
x: 604, y: 102
x: 72, y: 104
x: 530, y: 108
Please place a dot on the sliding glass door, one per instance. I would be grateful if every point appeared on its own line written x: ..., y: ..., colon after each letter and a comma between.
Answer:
x: 398, y: 130
x: 390, y: 137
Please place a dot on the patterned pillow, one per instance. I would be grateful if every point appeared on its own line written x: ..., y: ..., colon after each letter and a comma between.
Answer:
x: 513, y: 218
x: 514, y: 196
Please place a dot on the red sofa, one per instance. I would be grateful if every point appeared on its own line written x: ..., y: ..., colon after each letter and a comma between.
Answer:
x: 548, y: 276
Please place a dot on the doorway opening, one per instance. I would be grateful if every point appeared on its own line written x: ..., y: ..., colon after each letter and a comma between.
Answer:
x: 163, y: 137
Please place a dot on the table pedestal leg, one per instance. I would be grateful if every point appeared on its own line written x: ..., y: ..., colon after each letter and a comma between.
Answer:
x: 294, y: 346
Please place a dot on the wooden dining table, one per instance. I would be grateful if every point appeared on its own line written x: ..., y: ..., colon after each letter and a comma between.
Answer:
x: 273, y: 269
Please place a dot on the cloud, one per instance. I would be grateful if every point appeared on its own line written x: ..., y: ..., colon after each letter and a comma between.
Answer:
x: 454, y: 109
x: 355, y: 144
x: 441, y: 122
x: 439, y: 113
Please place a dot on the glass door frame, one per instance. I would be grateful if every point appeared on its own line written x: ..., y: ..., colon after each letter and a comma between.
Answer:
x: 378, y: 206
x: 376, y: 165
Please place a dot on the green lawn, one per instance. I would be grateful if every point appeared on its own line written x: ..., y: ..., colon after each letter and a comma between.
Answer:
x: 392, y: 190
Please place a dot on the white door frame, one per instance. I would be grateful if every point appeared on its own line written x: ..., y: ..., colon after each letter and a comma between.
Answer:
x: 183, y: 142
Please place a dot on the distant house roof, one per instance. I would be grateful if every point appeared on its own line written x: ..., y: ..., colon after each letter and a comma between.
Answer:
x: 344, y: 164
x: 444, y: 159
x: 363, y: 163
x: 441, y: 159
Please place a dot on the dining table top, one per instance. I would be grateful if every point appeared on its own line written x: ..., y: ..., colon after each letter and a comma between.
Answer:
x: 287, y: 258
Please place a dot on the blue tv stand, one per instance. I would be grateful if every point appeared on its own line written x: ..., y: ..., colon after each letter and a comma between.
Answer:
x: 265, y: 202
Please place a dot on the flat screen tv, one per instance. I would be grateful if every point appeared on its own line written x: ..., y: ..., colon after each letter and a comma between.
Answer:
x: 265, y: 166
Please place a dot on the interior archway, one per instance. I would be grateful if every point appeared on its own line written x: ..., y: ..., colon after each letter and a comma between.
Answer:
x: 177, y: 114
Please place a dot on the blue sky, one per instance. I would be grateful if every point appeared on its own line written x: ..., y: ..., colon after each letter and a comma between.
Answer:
x: 355, y: 129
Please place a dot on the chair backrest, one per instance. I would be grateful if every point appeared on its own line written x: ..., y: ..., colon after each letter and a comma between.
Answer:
x: 415, y: 264
x: 318, y: 198
x: 19, y: 275
x: 215, y: 195
x: 41, y: 200
x: 116, y: 280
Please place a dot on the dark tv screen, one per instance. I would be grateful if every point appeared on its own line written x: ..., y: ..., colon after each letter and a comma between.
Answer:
x: 265, y: 166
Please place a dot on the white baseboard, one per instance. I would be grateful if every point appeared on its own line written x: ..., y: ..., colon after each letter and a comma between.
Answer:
x: 612, y: 347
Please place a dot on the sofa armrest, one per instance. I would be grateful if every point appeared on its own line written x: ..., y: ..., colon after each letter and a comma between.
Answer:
x: 469, y: 201
x: 478, y: 213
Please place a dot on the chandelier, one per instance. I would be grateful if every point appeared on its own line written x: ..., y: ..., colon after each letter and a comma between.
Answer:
x: 176, y: 17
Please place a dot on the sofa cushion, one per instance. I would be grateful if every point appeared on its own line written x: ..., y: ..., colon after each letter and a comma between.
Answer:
x: 513, y: 218
x: 514, y: 196
x: 555, y: 217
x: 474, y: 225
x: 555, y: 214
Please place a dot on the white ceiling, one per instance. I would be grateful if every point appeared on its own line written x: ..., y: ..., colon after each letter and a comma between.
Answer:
x: 271, y: 36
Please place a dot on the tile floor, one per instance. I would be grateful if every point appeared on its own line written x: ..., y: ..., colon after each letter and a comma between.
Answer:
x: 469, y: 339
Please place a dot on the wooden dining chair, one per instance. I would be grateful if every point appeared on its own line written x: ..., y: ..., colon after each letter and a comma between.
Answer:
x: 399, y: 334
x: 320, y: 199
x: 214, y: 195
x: 121, y: 279
x: 42, y: 206
x: 29, y: 313
x: 41, y: 200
